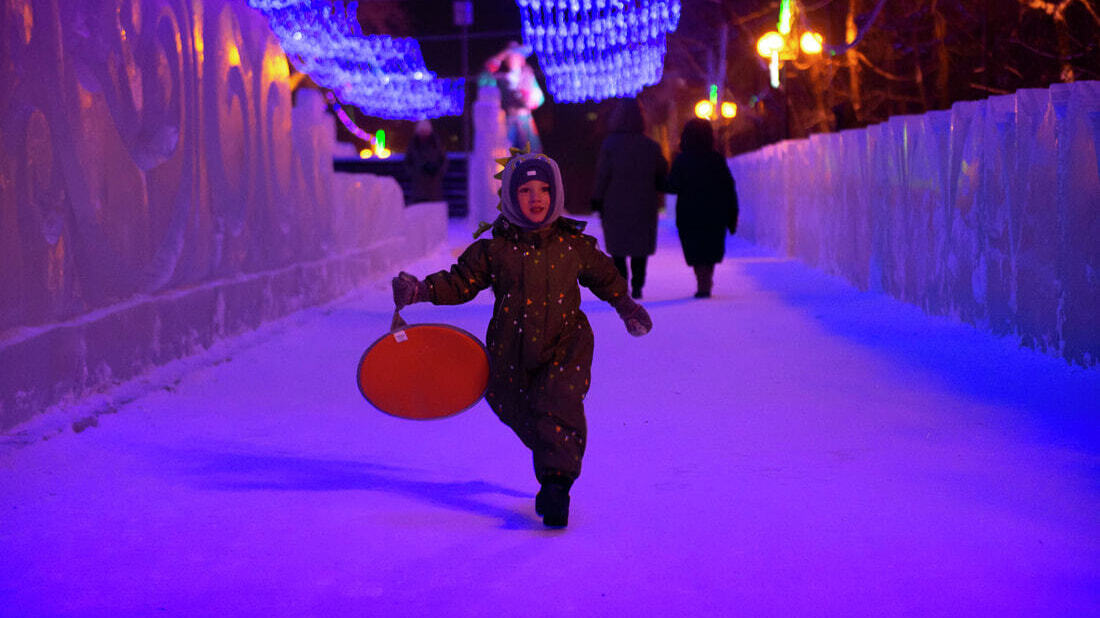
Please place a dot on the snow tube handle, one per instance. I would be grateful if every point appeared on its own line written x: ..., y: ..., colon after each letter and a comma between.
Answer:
x: 398, y: 323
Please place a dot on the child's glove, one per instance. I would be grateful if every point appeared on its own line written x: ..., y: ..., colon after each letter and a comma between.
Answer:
x: 407, y: 290
x: 635, y: 316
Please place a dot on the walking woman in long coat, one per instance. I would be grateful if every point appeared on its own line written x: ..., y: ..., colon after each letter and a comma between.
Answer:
x: 706, y: 202
x: 630, y: 174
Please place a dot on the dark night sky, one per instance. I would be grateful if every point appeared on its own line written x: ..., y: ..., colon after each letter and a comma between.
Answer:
x: 434, y: 18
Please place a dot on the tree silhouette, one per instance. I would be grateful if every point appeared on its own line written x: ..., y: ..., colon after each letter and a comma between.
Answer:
x: 916, y: 56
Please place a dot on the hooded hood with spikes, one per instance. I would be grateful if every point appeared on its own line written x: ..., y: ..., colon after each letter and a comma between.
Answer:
x: 520, y: 166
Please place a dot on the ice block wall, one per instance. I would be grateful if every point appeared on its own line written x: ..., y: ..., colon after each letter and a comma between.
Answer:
x: 490, y: 144
x: 159, y: 191
x: 988, y: 212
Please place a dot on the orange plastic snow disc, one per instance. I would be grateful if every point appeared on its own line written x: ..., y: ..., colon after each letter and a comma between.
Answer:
x: 424, y: 371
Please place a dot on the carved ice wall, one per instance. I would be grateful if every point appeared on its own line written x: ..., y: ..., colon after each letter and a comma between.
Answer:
x: 988, y: 212
x: 159, y: 191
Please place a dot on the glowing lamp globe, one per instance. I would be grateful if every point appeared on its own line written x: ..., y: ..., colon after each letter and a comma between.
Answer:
x: 729, y: 109
x: 811, y: 42
x: 704, y: 109
x: 770, y: 44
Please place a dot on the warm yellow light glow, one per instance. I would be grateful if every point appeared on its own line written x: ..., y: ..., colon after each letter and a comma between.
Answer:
x: 769, y: 44
x: 196, y: 36
x: 28, y: 22
x: 277, y: 66
x: 234, y: 55
x: 811, y: 42
x: 729, y: 110
x: 704, y: 109
x: 365, y: 153
x: 383, y: 153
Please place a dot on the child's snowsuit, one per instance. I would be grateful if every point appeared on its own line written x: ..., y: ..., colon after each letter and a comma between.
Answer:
x: 540, y: 343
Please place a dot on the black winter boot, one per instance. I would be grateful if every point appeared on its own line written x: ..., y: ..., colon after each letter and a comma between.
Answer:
x: 704, y: 278
x: 552, y: 503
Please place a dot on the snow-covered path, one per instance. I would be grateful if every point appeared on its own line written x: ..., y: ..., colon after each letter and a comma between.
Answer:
x: 791, y: 447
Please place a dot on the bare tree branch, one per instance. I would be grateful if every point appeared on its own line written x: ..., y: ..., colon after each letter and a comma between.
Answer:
x: 1057, y: 10
x: 882, y: 73
x: 989, y: 89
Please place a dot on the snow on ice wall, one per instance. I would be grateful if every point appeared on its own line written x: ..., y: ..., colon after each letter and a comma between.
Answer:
x: 159, y: 191
x: 988, y: 212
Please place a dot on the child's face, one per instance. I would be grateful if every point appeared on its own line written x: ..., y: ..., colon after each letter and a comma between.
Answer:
x: 534, y: 200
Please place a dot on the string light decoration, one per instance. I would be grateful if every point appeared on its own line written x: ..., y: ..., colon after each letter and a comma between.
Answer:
x: 383, y: 76
x: 377, y: 141
x: 598, y: 49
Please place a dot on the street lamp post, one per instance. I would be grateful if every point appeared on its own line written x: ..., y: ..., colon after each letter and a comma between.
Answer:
x: 719, y: 113
x: 787, y: 41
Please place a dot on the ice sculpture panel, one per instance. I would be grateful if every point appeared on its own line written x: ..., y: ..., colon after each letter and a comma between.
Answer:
x: 159, y: 190
x: 988, y: 212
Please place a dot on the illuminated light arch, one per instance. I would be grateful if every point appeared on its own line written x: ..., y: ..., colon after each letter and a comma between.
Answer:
x: 598, y: 49
x: 383, y: 76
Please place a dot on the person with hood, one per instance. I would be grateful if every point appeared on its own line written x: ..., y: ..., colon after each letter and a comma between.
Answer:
x: 426, y: 163
x: 630, y: 174
x: 706, y: 202
x: 539, y: 341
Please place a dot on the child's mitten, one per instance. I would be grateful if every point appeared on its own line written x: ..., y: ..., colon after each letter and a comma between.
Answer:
x: 407, y: 290
x: 633, y: 315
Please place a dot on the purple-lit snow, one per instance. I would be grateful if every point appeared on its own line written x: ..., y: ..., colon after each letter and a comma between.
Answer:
x: 791, y: 447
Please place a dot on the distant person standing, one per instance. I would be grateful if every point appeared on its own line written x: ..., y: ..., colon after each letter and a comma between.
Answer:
x: 630, y: 174
x: 706, y: 202
x: 519, y: 94
x: 426, y: 162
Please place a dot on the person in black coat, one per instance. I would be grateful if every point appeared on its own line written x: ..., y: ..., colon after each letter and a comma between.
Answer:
x: 706, y: 202
x: 426, y: 163
x: 630, y: 174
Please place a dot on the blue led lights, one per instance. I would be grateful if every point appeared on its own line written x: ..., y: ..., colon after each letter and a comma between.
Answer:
x: 598, y: 49
x: 383, y: 76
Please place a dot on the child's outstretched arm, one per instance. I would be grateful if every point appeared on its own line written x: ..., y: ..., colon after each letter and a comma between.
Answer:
x: 601, y: 276
x: 447, y: 287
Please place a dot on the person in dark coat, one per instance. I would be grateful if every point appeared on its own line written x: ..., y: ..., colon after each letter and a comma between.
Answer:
x: 539, y: 341
x: 630, y: 173
x: 426, y: 163
x: 706, y: 202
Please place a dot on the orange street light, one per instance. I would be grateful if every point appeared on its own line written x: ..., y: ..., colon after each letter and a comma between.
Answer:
x: 785, y: 43
x: 704, y: 109
x: 770, y: 44
x: 811, y: 43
